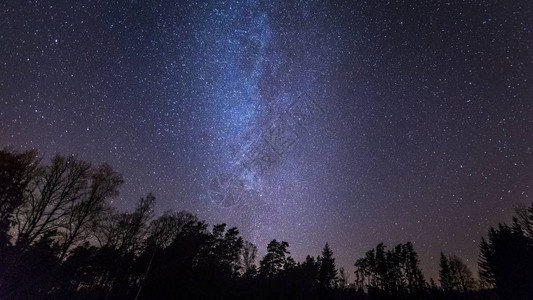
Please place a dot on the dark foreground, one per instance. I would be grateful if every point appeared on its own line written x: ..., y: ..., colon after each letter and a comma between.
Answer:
x: 60, y: 239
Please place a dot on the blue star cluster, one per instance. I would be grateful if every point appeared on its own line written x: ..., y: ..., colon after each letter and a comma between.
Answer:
x: 348, y: 122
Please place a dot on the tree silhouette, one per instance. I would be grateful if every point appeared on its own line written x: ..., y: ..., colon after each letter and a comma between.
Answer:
x: 455, y: 275
x: 174, y: 269
x: 390, y: 272
x: 414, y: 279
x: 124, y: 232
x: 104, y: 184
x: 462, y: 278
x: 276, y: 259
x: 523, y: 221
x: 327, y: 276
x: 16, y: 172
x: 445, y: 273
x: 51, y: 197
x: 60, y: 239
x: 506, y: 258
x: 64, y: 198
x: 163, y: 230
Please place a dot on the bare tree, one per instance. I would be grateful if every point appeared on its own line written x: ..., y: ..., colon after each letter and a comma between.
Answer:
x: 125, y: 231
x: 49, y: 199
x: 81, y: 214
x: 62, y: 200
x: 462, y: 278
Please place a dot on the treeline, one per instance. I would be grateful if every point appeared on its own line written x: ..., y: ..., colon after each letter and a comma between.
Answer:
x: 61, y: 239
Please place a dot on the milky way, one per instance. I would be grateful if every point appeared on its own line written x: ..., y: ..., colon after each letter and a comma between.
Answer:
x: 418, y: 117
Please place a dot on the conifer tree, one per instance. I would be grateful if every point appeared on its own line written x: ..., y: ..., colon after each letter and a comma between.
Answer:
x: 445, y: 274
x: 327, y: 276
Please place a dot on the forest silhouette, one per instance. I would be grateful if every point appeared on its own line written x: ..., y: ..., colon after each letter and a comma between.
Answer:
x: 61, y: 239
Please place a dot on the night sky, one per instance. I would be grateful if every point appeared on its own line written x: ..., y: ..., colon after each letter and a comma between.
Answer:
x: 343, y: 122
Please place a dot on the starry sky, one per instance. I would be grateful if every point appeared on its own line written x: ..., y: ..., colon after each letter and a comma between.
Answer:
x: 347, y: 122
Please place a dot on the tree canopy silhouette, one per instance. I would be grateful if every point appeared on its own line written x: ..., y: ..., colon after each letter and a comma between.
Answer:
x: 455, y: 275
x: 62, y: 239
x: 506, y: 256
x: 390, y: 272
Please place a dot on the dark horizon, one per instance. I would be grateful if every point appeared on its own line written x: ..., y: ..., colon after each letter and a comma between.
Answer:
x: 61, y: 238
